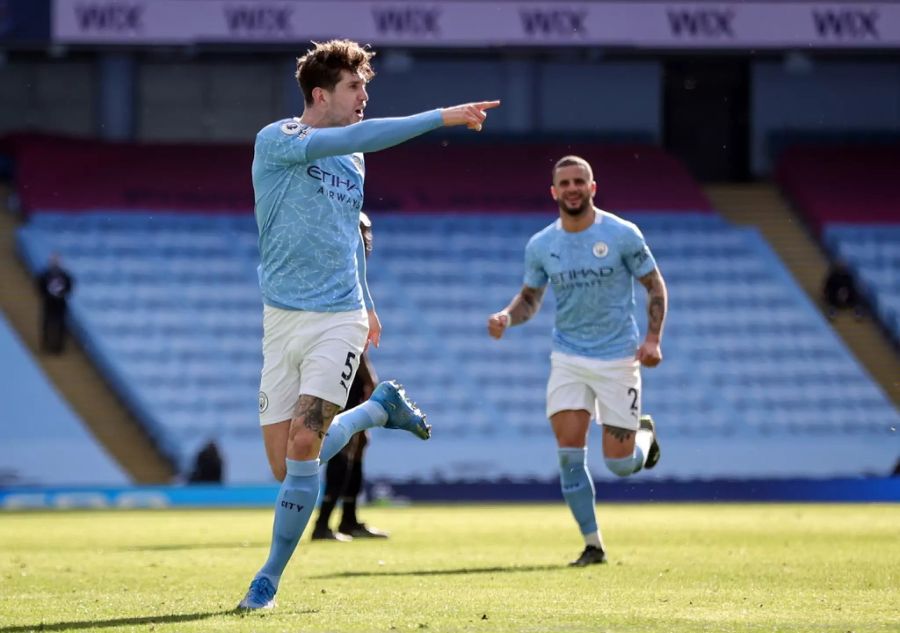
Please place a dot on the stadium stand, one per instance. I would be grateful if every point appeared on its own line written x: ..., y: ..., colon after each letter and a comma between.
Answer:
x: 842, y: 183
x: 629, y: 177
x: 171, y: 307
x: 873, y: 251
x: 41, y: 439
x: 851, y: 196
x: 216, y: 178
x: 204, y: 178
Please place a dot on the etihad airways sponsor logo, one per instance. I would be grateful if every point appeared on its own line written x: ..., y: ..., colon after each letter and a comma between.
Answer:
x: 580, y: 278
x: 330, y: 179
x: 346, y: 189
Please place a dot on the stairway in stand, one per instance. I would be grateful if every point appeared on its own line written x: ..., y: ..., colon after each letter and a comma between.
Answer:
x: 762, y: 206
x: 73, y: 374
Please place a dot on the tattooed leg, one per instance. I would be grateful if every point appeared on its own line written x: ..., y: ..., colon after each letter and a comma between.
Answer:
x: 617, y: 442
x: 297, y: 495
x: 625, y: 451
x: 311, y: 418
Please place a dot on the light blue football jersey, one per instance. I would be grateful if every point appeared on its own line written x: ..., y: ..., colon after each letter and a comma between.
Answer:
x: 308, y: 189
x: 592, y: 274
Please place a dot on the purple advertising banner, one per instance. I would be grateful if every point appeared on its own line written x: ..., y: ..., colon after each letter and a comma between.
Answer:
x: 466, y: 23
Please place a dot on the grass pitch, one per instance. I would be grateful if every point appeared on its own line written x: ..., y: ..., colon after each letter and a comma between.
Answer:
x: 462, y: 568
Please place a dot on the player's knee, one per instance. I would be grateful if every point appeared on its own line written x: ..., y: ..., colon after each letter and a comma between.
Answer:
x: 279, y: 471
x: 303, y: 445
x: 623, y: 467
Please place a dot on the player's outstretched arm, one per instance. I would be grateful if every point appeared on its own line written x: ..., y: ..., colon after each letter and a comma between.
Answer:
x: 523, y: 306
x: 370, y: 136
x: 650, y: 352
x: 378, y: 134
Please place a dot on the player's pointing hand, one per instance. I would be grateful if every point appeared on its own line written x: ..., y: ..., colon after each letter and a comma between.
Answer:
x: 472, y: 115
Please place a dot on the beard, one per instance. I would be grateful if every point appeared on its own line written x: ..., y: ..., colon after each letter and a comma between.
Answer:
x: 585, y: 206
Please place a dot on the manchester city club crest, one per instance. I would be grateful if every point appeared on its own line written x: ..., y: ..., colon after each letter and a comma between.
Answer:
x: 263, y: 401
x: 600, y: 250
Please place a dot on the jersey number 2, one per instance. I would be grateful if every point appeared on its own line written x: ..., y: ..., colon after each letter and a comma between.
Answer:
x: 634, y: 396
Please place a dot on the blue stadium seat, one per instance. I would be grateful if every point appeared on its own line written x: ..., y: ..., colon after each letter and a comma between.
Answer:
x: 173, y: 300
x: 873, y: 253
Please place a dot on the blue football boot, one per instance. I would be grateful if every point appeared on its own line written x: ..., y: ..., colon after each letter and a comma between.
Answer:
x: 260, y: 595
x: 402, y: 412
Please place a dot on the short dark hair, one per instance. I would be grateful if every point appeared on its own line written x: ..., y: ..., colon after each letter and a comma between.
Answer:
x: 568, y: 161
x: 322, y: 65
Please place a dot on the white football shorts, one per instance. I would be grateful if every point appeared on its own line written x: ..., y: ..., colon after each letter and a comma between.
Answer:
x: 610, y: 390
x: 313, y: 353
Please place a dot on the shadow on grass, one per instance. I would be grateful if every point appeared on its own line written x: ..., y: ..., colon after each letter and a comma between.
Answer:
x: 89, y: 625
x: 184, y: 546
x: 440, y: 572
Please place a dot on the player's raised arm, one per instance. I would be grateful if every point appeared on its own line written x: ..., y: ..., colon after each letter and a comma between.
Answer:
x: 378, y: 134
x: 370, y: 136
x: 650, y: 352
x: 523, y: 306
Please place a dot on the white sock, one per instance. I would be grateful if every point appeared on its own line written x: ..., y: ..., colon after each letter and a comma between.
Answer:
x: 642, y: 439
x: 593, y: 539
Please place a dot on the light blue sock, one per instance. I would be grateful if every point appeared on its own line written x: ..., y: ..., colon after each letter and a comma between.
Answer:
x: 293, y: 507
x: 578, y: 487
x: 348, y: 423
x: 625, y: 466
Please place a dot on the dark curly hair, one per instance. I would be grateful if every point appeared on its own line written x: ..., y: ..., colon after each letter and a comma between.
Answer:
x: 322, y: 65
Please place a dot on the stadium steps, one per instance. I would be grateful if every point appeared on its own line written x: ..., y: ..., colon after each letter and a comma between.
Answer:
x: 73, y: 374
x: 763, y: 206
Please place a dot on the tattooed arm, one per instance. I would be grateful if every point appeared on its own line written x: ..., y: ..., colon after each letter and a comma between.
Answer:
x: 649, y: 353
x: 523, y: 306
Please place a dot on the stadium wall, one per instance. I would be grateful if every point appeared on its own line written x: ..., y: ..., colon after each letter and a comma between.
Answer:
x: 157, y: 97
x: 820, y: 97
x: 856, y: 490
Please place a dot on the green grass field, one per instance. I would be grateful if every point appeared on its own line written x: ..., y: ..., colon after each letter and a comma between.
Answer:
x: 462, y: 568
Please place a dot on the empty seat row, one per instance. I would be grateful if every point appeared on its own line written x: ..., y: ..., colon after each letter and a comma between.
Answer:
x: 746, y: 352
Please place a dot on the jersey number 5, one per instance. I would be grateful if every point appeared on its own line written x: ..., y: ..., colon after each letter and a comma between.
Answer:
x: 347, y: 373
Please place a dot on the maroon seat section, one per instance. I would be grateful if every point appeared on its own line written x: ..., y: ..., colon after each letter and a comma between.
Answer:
x: 70, y: 175
x: 842, y: 183
x: 516, y: 177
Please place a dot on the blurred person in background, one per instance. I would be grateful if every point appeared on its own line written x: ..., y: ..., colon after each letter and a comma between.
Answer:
x: 591, y: 258
x: 839, y: 291
x: 54, y: 284
x: 344, y: 473
x: 208, y: 465
x: 318, y: 316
